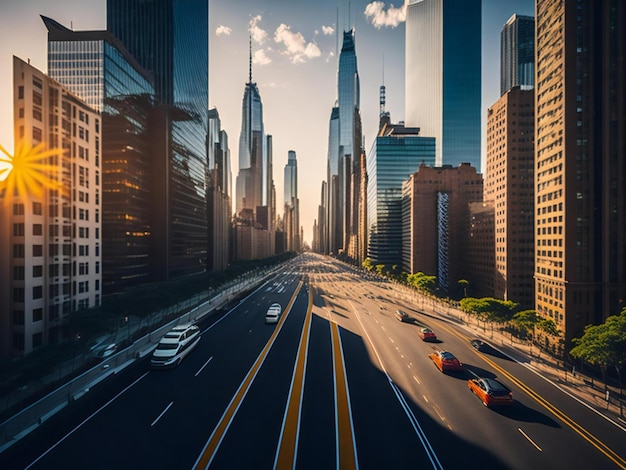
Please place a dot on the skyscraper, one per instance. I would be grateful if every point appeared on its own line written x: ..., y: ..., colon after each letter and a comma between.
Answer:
x: 50, y: 208
x: 396, y: 153
x: 443, y: 76
x: 169, y: 38
x: 291, y: 203
x: 97, y: 67
x: 580, y: 164
x: 341, y: 143
x: 517, y: 53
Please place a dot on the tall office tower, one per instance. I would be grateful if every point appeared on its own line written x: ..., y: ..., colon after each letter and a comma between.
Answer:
x: 509, y: 183
x: 357, y: 228
x: 50, y: 209
x: 580, y: 164
x: 396, y: 153
x: 292, y: 203
x: 481, y: 251
x: 517, y: 53
x: 334, y: 215
x: 341, y: 149
x: 322, y: 224
x: 252, y: 150
x: 170, y: 39
x: 218, y: 195
x: 443, y: 76
x: 95, y: 66
x: 436, y: 201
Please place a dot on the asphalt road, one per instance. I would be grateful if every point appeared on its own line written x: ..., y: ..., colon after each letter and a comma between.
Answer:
x: 339, y: 382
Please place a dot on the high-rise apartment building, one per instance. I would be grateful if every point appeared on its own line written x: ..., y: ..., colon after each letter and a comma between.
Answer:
x: 396, y: 153
x: 443, y: 76
x: 95, y: 66
x: 436, y: 204
x: 50, y: 213
x: 509, y: 183
x: 517, y: 53
x: 580, y: 164
x: 169, y: 38
x: 219, y: 205
x: 481, y: 252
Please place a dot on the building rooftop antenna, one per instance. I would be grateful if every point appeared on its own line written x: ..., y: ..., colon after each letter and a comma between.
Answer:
x: 250, y: 66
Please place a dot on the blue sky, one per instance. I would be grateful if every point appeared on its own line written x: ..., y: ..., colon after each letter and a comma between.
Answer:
x: 295, y: 67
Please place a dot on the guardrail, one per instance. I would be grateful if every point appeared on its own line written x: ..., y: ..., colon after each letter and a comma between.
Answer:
x: 34, y: 415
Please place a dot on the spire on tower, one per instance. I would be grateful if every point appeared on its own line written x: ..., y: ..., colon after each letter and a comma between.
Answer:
x: 250, y: 67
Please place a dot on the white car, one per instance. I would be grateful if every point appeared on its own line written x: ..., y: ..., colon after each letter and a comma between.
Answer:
x: 175, y: 345
x: 273, y: 313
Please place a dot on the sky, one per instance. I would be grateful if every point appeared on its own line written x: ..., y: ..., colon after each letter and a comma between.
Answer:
x: 295, y: 53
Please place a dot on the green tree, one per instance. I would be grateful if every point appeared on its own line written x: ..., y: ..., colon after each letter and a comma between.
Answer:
x: 379, y: 269
x: 463, y: 284
x: 367, y: 264
x: 525, y: 321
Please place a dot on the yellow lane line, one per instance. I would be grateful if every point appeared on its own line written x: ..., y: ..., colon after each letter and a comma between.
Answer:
x: 288, y: 441
x: 577, y: 428
x: 346, y: 446
x: 210, y: 448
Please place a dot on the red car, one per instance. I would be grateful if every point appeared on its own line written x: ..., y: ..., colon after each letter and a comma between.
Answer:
x: 427, y: 334
x: 490, y: 391
x: 445, y: 361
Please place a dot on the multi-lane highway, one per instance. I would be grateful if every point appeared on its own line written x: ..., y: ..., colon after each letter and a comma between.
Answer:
x: 338, y: 382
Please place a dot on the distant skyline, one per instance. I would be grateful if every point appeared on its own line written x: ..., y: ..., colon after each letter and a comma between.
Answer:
x: 295, y: 55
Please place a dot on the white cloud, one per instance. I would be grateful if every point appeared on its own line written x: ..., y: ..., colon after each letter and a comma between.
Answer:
x: 258, y: 35
x: 328, y: 30
x: 260, y: 58
x: 380, y: 17
x: 223, y: 30
x: 297, y: 48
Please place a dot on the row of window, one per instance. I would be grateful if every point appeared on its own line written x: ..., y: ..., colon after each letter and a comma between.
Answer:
x: 19, y: 272
x: 19, y: 250
x: 54, y: 290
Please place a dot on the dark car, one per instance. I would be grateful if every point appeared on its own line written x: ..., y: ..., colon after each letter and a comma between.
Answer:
x: 478, y: 345
x: 402, y: 315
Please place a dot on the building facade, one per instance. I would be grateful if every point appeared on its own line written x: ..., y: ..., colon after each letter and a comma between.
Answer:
x: 443, y: 76
x: 291, y: 217
x: 517, y: 53
x: 169, y: 38
x: 95, y: 66
x: 50, y: 213
x: 396, y: 153
x: 580, y: 164
x: 481, y: 251
x: 509, y: 183
x: 436, y: 202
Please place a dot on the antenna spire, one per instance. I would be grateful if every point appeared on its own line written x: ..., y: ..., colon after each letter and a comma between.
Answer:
x: 250, y: 67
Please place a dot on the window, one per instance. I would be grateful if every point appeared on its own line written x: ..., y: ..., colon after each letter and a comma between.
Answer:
x: 18, y: 273
x: 37, y: 208
x: 37, y: 292
x: 18, y: 250
x: 18, y: 230
x: 37, y: 314
x: 37, y: 229
x: 18, y: 294
x: 37, y: 270
x: 37, y: 250
x: 37, y: 134
x: 18, y: 209
x: 18, y: 317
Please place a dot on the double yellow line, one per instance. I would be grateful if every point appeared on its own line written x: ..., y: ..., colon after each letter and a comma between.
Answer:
x: 577, y: 428
x: 210, y: 448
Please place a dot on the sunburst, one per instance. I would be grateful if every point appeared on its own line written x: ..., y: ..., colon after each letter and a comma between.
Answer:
x: 28, y: 173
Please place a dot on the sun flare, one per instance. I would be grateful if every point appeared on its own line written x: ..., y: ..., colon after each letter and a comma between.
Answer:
x: 28, y: 173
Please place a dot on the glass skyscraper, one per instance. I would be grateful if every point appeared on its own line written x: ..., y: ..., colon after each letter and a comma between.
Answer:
x: 443, y: 76
x: 396, y: 153
x: 97, y: 67
x: 517, y: 53
x: 170, y: 39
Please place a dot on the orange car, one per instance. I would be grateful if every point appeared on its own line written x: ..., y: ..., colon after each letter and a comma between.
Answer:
x: 490, y: 391
x: 445, y: 361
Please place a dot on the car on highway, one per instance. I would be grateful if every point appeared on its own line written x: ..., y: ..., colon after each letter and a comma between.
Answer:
x: 273, y: 313
x: 427, y: 334
x: 478, y: 345
x: 175, y: 345
x: 490, y: 391
x: 445, y: 361
x: 401, y: 315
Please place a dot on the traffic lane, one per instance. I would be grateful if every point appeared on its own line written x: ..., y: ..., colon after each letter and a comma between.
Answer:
x: 259, y: 418
x: 317, y: 440
x: 582, y: 424
x: 383, y: 433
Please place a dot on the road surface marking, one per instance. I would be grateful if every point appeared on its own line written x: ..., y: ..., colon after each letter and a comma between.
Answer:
x: 162, y: 413
x: 210, y: 448
x: 205, y: 364
x: 417, y: 380
x: 425, y: 399
x: 529, y: 439
x: 346, y: 444
x: 287, y: 451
